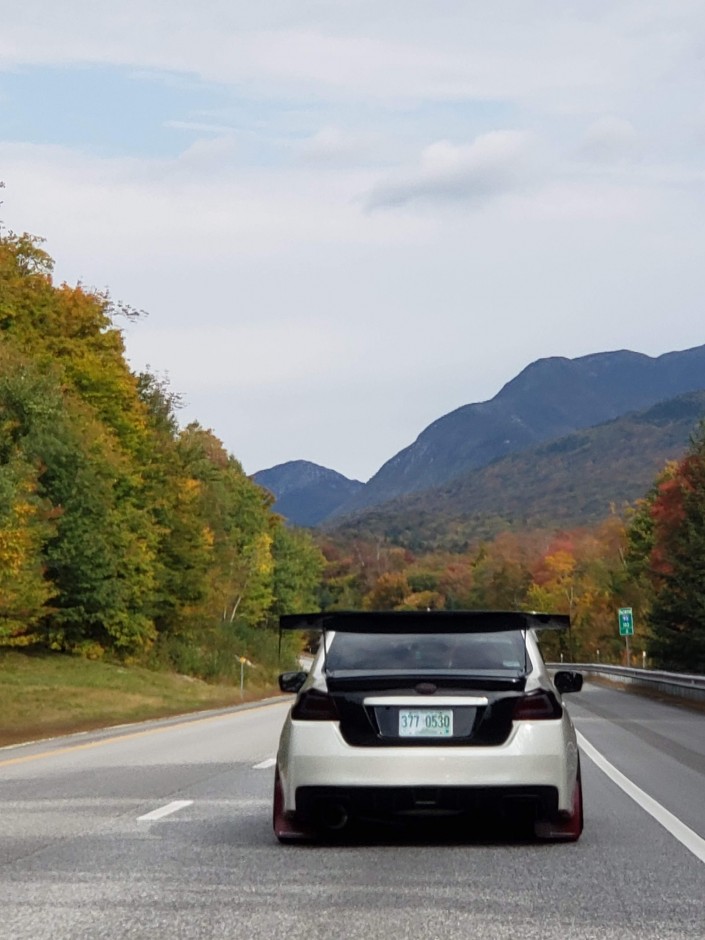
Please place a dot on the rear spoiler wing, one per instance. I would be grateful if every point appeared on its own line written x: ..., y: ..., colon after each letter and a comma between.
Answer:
x: 429, y: 621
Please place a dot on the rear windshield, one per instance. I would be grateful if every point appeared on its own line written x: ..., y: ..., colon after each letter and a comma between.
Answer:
x: 498, y: 653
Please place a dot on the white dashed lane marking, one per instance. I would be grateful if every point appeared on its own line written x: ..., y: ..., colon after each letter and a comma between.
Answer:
x: 167, y: 810
x: 265, y: 764
x: 176, y: 805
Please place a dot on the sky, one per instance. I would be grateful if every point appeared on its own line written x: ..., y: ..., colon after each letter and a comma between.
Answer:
x: 345, y: 219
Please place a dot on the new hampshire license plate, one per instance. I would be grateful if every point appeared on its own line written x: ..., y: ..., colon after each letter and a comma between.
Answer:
x: 425, y: 722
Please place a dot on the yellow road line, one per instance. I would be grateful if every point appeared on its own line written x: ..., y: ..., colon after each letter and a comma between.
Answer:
x: 25, y: 759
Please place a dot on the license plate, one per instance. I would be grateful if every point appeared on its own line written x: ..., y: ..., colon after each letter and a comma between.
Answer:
x: 425, y: 723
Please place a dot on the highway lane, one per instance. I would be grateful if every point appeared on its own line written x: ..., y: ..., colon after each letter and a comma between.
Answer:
x: 77, y: 861
x: 659, y: 747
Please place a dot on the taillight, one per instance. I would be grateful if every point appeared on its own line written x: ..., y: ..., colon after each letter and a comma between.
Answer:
x: 536, y: 706
x: 315, y: 706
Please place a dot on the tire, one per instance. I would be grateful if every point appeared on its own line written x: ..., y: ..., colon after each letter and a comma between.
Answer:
x: 285, y: 826
x: 565, y: 827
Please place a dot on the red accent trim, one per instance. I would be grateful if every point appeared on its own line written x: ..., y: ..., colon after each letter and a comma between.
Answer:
x: 286, y: 829
x: 567, y: 827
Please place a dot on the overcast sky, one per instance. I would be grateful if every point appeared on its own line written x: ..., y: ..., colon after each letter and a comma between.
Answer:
x: 346, y: 218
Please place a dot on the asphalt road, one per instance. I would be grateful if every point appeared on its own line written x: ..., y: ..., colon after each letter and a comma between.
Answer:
x: 79, y: 860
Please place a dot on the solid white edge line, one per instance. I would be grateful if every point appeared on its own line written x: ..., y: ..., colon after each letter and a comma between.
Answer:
x: 691, y: 840
x: 167, y: 810
x: 265, y: 764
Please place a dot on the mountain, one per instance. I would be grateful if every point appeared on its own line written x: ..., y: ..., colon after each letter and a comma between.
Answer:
x: 549, y: 399
x: 305, y: 493
x: 572, y: 480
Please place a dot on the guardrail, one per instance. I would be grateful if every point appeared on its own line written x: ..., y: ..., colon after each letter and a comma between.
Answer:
x: 677, y: 684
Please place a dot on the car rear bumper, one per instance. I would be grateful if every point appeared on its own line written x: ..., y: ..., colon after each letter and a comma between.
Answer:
x: 313, y: 757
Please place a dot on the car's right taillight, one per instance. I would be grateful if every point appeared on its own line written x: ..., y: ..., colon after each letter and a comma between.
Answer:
x: 315, y: 706
x: 536, y: 706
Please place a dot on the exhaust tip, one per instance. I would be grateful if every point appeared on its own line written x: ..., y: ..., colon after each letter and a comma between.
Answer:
x: 333, y: 816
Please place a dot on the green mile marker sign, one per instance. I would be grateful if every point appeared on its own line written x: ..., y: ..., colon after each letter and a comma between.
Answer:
x: 626, y: 621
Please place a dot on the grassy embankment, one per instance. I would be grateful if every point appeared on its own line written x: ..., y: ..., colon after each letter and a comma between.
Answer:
x: 47, y: 694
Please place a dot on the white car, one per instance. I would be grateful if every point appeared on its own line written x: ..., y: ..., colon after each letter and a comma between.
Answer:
x: 427, y: 714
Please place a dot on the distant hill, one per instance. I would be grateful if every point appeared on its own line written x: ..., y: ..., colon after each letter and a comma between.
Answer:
x: 572, y: 480
x: 549, y: 399
x: 305, y: 492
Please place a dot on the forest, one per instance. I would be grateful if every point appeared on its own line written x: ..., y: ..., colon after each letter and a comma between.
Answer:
x: 124, y: 535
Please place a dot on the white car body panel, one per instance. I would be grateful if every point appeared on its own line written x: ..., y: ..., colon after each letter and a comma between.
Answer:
x: 314, y: 753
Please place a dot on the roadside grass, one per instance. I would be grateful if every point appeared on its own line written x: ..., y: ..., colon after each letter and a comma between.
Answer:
x: 46, y: 694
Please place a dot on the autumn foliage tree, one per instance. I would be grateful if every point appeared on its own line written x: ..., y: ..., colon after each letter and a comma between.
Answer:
x: 672, y: 544
x: 26, y: 521
x: 581, y: 572
x: 120, y: 532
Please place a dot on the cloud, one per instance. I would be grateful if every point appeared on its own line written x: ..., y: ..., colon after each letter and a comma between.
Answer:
x: 233, y: 208
x: 491, y: 165
x: 200, y: 127
x: 564, y: 56
x: 231, y: 358
x: 610, y: 140
x: 333, y: 145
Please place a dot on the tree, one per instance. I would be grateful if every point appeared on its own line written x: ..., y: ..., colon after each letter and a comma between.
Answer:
x: 73, y: 532
x: 70, y: 330
x: 298, y: 567
x: 582, y: 574
x: 677, y: 564
x: 102, y: 556
x: 236, y: 520
x: 118, y: 529
x: 388, y: 592
x: 24, y: 528
x: 73, y: 416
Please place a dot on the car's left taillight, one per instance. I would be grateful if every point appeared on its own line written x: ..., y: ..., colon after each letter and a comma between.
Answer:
x: 314, y: 705
x: 536, y: 706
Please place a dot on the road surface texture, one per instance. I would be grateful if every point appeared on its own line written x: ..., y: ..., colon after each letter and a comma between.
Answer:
x: 163, y: 830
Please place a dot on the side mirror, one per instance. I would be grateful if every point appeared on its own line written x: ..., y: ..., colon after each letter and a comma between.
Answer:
x: 292, y: 681
x: 566, y: 681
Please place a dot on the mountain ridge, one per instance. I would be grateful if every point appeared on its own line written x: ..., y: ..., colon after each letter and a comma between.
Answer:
x: 305, y: 493
x: 528, y: 410
x: 547, y: 400
x: 574, y: 480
